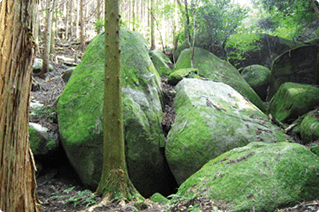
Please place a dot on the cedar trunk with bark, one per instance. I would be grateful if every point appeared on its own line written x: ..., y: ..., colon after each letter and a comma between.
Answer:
x: 115, y: 182
x: 17, y: 179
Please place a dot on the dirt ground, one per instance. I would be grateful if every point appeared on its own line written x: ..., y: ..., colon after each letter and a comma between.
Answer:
x: 60, y: 189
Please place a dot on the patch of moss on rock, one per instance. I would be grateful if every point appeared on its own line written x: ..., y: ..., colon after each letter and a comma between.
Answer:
x: 212, y: 118
x: 41, y: 143
x: 259, y: 176
x: 161, y: 62
x: 180, y: 74
x: 309, y: 127
x: 159, y: 198
x: 293, y: 100
x: 211, y: 67
x: 258, y: 77
x: 80, y: 114
x: 315, y: 149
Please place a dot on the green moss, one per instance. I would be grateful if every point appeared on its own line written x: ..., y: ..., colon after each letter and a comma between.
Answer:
x: 34, y: 140
x: 210, y: 66
x: 309, y: 127
x: 180, y: 74
x: 202, y: 132
x: 159, y: 198
x: 260, y: 176
x: 161, y: 62
x: 293, y: 100
x: 80, y: 113
x: 256, y: 75
x: 315, y: 149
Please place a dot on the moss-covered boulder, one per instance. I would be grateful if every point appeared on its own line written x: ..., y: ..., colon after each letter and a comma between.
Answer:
x: 258, y: 77
x: 42, y: 143
x: 180, y: 74
x: 296, y: 65
x: 80, y: 114
x: 210, y: 66
x: 161, y: 62
x: 257, y: 177
x: 293, y: 100
x: 67, y: 74
x: 212, y: 118
x: 309, y: 127
x: 159, y: 198
x: 315, y: 150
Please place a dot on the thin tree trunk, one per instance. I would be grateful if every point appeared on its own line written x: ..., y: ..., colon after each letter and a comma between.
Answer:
x: 47, y: 38
x: 81, y: 25
x: 17, y: 180
x: 53, y: 28
x: 98, y: 14
x: 152, y: 27
x: 66, y: 9
x: 114, y: 181
x: 77, y: 19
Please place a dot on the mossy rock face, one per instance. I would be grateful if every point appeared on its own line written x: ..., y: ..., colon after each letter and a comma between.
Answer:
x: 212, y: 118
x: 180, y: 74
x: 161, y: 62
x: 309, y: 128
x: 37, y: 66
x: 293, y: 100
x: 258, y: 77
x: 43, y: 145
x: 315, y: 150
x: 296, y: 65
x: 257, y: 177
x: 80, y: 114
x: 211, y: 67
x: 159, y: 198
x: 67, y: 74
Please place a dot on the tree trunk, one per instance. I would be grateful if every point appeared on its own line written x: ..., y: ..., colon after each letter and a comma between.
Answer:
x: 66, y: 9
x: 115, y: 182
x: 81, y: 26
x: 53, y: 28
x: 47, y: 38
x: 17, y: 179
x: 152, y: 27
x: 98, y: 14
x: 77, y: 19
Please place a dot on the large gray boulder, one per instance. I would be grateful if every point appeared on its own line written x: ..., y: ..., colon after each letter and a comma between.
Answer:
x: 210, y: 66
x: 297, y: 65
x: 80, y: 114
x: 257, y: 177
x: 212, y: 118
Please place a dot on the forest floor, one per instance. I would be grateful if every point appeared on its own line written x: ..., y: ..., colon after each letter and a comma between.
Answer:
x: 60, y: 189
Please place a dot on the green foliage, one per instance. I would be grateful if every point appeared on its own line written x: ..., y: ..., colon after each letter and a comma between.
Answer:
x: 47, y: 112
x: 85, y: 197
x: 99, y: 25
x: 241, y: 43
x: 290, y: 17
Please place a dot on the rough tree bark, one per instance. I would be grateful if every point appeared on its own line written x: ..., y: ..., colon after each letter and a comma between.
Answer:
x: 17, y: 179
x: 115, y: 182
